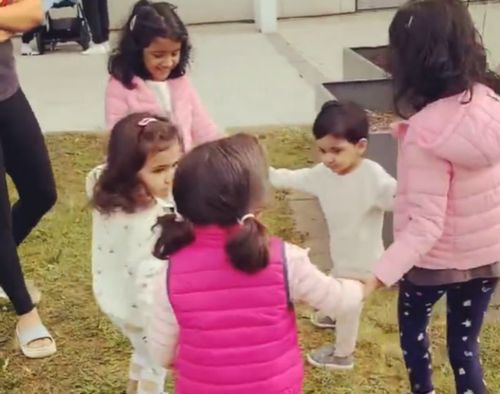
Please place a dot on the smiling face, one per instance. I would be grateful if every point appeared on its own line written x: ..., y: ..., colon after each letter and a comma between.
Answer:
x: 161, y: 57
x: 339, y: 155
x: 158, y: 171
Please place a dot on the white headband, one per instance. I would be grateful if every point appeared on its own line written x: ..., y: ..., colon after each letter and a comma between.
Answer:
x: 246, y: 217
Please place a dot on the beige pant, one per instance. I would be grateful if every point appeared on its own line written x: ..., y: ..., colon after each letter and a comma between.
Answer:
x: 346, y: 329
x: 347, y: 324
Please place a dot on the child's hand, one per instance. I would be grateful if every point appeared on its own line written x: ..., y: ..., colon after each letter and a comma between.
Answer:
x: 5, y: 35
x: 371, y: 285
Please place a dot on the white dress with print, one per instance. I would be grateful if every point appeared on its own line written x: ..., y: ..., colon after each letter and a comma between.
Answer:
x: 123, y: 267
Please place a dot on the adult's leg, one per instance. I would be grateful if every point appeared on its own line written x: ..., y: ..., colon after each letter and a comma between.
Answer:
x: 467, y: 305
x: 415, y: 305
x: 92, y: 13
x: 29, y: 35
x: 104, y: 15
x: 11, y: 275
x: 27, y: 162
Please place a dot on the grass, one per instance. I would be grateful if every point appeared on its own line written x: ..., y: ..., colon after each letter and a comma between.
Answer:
x: 93, y: 357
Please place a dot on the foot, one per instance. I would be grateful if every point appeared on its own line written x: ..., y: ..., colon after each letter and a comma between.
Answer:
x: 325, y: 357
x: 97, y: 49
x: 31, y: 321
x: 132, y: 386
x: 26, y: 50
x: 320, y: 321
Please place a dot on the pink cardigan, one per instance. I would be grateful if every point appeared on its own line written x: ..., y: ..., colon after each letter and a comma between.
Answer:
x: 306, y: 284
x: 447, y: 209
x: 189, y: 113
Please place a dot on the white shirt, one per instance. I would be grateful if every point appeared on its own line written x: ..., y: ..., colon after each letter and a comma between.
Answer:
x: 162, y: 94
x: 353, y: 206
x: 123, y: 266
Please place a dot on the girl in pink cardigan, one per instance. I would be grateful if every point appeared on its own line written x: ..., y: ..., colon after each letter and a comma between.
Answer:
x: 148, y: 73
x: 224, y: 316
x: 447, y: 210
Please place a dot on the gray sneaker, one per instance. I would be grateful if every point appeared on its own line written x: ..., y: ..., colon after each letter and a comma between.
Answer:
x: 324, y: 357
x: 320, y: 321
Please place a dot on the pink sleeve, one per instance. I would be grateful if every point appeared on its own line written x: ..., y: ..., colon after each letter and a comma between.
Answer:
x: 163, y: 330
x: 204, y: 128
x: 428, y: 182
x: 308, y: 284
x: 116, y: 107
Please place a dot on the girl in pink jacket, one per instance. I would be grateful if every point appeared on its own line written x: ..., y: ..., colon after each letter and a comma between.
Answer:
x: 447, y: 210
x: 224, y: 316
x: 148, y: 73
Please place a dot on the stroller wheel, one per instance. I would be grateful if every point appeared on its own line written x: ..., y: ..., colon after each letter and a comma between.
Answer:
x: 85, y: 38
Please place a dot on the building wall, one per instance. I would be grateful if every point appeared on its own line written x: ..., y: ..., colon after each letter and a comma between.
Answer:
x: 207, y: 11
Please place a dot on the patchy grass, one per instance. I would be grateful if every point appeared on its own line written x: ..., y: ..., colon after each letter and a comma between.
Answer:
x: 93, y: 357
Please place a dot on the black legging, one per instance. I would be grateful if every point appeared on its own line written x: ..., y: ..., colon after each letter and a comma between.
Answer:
x: 29, y: 35
x: 96, y: 12
x: 24, y: 157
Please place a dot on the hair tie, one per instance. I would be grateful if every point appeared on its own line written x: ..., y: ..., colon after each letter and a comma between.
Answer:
x: 132, y: 23
x: 245, y: 218
x: 145, y: 121
x: 410, y: 22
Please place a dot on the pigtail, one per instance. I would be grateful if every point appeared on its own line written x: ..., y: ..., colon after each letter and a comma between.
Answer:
x: 176, y: 233
x: 248, y: 248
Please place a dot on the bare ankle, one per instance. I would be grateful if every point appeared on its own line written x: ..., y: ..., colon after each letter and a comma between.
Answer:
x: 132, y: 386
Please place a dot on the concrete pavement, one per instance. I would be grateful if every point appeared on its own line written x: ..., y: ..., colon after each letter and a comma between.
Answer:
x: 244, y: 77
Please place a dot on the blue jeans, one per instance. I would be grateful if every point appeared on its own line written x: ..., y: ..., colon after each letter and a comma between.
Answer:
x: 467, y: 304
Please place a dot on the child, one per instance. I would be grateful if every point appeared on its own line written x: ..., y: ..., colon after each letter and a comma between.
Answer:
x: 224, y: 313
x: 148, y: 73
x: 354, y: 193
x: 447, y: 211
x: 128, y: 194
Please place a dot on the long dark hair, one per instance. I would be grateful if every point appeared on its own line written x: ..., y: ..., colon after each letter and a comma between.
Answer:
x: 218, y: 183
x: 435, y: 52
x: 131, y: 141
x: 146, y: 22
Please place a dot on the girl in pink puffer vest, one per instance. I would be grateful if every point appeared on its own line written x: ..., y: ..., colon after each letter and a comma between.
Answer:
x: 224, y: 317
x: 447, y: 210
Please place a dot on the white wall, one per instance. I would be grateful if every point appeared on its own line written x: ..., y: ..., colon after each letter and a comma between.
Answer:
x: 296, y: 8
x: 192, y: 11
x: 206, y: 11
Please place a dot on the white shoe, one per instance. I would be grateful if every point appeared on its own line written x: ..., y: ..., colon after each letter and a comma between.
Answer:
x: 97, y: 49
x: 26, y: 50
x: 2, y: 294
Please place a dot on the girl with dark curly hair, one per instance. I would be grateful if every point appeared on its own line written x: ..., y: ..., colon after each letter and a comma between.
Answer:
x: 128, y: 194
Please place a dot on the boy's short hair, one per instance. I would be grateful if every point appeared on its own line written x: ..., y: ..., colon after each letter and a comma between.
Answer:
x: 346, y: 120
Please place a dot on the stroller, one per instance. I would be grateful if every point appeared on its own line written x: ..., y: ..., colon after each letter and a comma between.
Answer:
x: 75, y: 29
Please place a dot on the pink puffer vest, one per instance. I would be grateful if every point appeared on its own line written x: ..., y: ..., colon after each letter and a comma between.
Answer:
x: 237, y: 331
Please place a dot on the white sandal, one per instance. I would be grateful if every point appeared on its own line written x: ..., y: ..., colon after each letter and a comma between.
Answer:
x: 26, y: 337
